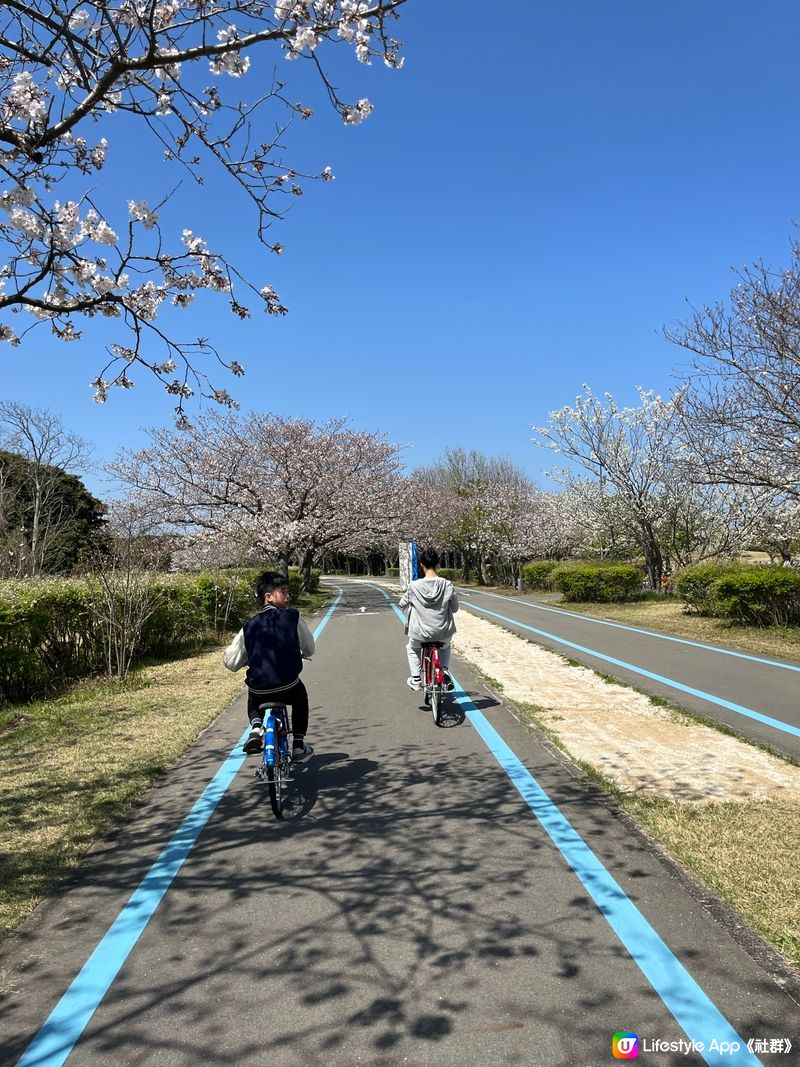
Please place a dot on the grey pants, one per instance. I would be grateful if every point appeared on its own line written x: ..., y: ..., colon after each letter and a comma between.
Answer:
x: 412, y: 651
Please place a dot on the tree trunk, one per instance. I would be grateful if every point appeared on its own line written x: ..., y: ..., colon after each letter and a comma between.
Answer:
x: 305, y: 569
x: 282, y: 563
x: 480, y: 569
x: 653, y: 558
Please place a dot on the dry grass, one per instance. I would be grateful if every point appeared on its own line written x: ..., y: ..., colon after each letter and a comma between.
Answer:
x: 667, y: 614
x: 70, y: 767
x: 746, y: 852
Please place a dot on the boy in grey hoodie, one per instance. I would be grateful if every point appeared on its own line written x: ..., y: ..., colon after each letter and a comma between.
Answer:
x: 431, y: 602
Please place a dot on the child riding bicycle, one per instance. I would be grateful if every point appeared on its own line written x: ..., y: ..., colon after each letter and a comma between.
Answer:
x: 273, y: 644
x: 432, y: 602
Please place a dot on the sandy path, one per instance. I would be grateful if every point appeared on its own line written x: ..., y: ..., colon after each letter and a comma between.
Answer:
x: 639, y: 745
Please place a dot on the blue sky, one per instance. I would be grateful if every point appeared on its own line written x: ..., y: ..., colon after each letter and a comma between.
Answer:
x: 535, y: 196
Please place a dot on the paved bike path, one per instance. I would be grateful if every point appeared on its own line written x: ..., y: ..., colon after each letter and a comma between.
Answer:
x: 412, y: 910
x: 664, y: 666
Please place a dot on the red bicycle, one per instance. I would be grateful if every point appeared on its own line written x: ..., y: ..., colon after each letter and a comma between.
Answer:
x: 433, y: 679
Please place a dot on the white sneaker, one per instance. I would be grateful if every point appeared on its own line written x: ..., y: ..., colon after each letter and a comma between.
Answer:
x: 414, y: 683
x: 255, y: 742
x: 301, y: 753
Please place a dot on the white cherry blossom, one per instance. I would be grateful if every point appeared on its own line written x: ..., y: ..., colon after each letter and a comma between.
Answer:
x: 66, y: 72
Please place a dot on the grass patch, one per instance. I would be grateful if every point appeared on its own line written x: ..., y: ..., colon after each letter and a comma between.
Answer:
x: 748, y: 853
x: 70, y: 767
x: 504, y: 590
x: 543, y: 720
x: 666, y: 614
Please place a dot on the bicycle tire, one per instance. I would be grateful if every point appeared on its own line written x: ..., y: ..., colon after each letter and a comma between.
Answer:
x: 274, y: 765
x: 275, y: 785
x: 436, y: 703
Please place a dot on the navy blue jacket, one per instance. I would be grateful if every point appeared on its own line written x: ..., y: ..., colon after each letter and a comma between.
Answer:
x: 273, y: 649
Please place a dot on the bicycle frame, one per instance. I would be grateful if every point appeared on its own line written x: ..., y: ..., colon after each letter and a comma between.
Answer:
x: 276, y: 736
x: 432, y: 680
x: 275, y: 759
x: 431, y: 667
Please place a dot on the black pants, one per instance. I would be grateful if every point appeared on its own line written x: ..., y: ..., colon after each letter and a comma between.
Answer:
x: 295, y: 696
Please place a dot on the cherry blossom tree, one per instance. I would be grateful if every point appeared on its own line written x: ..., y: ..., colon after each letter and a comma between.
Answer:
x: 179, y: 69
x: 741, y: 411
x: 777, y: 530
x: 473, y: 506
x: 625, y: 450
x: 640, y: 484
x: 555, y: 525
x: 266, y: 486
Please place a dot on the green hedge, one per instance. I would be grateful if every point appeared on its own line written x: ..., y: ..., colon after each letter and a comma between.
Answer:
x: 296, y: 582
x: 537, y: 573
x: 695, y: 585
x: 453, y: 574
x: 51, y: 631
x: 607, y: 583
x: 758, y: 595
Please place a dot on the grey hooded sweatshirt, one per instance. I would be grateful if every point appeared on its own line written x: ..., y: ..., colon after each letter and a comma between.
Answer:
x: 431, y: 603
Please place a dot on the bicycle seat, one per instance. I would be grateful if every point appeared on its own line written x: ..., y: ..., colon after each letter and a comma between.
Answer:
x: 433, y: 644
x: 271, y: 704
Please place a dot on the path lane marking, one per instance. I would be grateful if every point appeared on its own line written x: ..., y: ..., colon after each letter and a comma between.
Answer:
x: 58, y: 1035
x: 693, y: 1010
x: 640, y: 630
x: 740, y: 709
x: 690, y: 1006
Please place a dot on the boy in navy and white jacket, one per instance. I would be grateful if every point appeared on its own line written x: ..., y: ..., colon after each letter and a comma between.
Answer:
x: 273, y: 644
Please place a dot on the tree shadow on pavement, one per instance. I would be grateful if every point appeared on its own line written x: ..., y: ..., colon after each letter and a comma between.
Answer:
x: 416, y: 918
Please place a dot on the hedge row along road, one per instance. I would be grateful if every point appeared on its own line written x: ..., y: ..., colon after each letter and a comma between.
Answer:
x: 756, y: 696
x: 442, y: 897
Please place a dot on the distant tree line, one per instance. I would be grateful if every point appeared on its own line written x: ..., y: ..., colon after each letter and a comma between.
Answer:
x: 49, y: 520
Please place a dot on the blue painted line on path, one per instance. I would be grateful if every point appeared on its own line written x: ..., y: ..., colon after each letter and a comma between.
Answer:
x: 695, y: 1013
x: 59, y: 1034
x: 740, y: 709
x: 330, y: 612
x: 640, y: 630
x: 57, y: 1037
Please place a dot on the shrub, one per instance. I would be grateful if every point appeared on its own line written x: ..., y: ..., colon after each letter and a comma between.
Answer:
x: 537, y: 573
x: 48, y: 636
x: 392, y: 572
x: 695, y: 585
x: 605, y: 583
x: 53, y: 632
x: 759, y: 595
x: 313, y: 580
x: 453, y: 574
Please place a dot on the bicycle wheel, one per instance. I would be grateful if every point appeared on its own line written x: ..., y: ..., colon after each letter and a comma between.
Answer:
x: 275, y: 783
x: 436, y: 703
x: 274, y: 766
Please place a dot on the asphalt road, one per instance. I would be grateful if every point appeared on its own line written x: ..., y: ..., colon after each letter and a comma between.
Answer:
x: 412, y: 909
x: 757, y: 696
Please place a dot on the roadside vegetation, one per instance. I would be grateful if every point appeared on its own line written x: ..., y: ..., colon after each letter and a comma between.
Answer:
x: 667, y: 614
x: 747, y: 852
x: 70, y: 767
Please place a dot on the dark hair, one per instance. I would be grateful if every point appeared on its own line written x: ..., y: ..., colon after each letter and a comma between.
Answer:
x: 429, y: 558
x: 268, y: 582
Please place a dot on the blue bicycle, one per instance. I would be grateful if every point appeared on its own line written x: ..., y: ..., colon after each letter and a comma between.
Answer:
x: 275, y: 758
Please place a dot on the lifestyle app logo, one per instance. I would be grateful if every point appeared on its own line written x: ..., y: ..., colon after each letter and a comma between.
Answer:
x: 625, y: 1045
